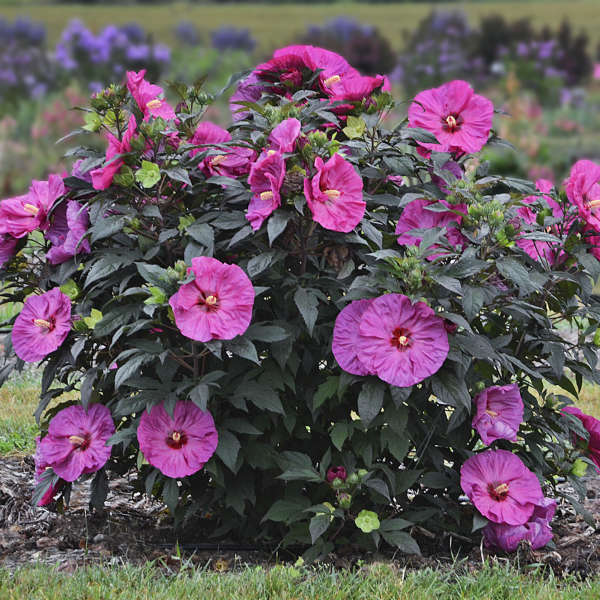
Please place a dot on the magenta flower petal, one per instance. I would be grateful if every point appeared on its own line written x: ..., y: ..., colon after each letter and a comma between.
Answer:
x: 345, y: 337
x: 499, y: 413
x: 284, y: 136
x: 416, y: 216
x: 265, y: 179
x: 501, y: 487
x: 507, y: 537
x: 403, y: 343
x: 180, y: 445
x: 148, y: 97
x: 217, y: 304
x: 583, y: 190
x: 460, y: 119
x: 42, y: 325
x: 208, y: 134
x: 66, y: 233
x: 40, y: 467
x: 103, y: 176
x: 76, y: 441
x: 335, y: 194
x: 592, y: 426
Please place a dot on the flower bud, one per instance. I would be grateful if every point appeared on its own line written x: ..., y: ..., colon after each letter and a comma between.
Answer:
x: 353, y: 479
x: 344, y: 500
x: 336, y: 473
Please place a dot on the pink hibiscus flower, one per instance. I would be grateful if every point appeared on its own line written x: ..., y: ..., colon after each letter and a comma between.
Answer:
x: 459, y: 119
x: 403, y: 343
x: 345, y: 337
x: 8, y: 245
x: 283, y: 137
x: 66, y: 233
x: 583, y: 190
x: 24, y: 214
x: 353, y: 88
x: 501, y: 487
x: 208, y: 134
x: 76, y: 441
x: 40, y: 467
x: 535, y: 248
x: 265, y: 179
x: 147, y: 96
x: 42, y: 325
x: 217, y: 304
x: 335, y: 194
x: 499, y: 413
x: 102, y: 177
x: 592, y: 426
x: 537, y: 530
x: 416, y: 216
x: 179, y: 445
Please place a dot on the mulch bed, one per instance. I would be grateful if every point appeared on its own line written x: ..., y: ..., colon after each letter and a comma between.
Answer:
x: 134, y: 529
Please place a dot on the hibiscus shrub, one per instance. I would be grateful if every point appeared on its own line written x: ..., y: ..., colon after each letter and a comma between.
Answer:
x: 316, y: 327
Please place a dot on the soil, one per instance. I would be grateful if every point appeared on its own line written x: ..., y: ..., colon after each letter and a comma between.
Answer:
x: 134, y: 529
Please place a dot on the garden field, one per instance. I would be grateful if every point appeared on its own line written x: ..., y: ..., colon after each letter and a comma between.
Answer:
x: 275, y: 25
x: 328, y: 328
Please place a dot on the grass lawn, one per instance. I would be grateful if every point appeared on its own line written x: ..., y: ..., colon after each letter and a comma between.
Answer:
x: 378, y: 582
x: 275, y: 25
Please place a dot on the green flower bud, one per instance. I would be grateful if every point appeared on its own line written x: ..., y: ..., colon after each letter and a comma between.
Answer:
x: 338, y: 483
x: 344, y: 500
x: 353, y: 479
x: 362, y: 473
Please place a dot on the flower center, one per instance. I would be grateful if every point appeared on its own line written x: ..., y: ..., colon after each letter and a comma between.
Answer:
x: 42, y: 324
x: 451, y: 123
x: 331, y: 80
x: 271, y: 152
x: 400, y: 339
x: 217, y: 160
x: 176, y: 440
x: 498, y: 492
x: 266, y: 196
x: 211, y: 300
x: 31, y: 209
x: 156, y: 103
x: 333, y: 194
x: 492, y: 413
x: 592, y: 204
x: 80, y: 443
x: 210, y: 303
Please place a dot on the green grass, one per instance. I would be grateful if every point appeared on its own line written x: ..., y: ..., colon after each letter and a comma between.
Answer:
x: 378, y: 582
x: 274, y: 25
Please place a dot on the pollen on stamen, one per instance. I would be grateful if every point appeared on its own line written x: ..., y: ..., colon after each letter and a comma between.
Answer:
x: 594, y: 203
x: 42, y: 323
x: 217, y: 160
x: 31, y: 208
x: 176, y: 436
x: 211, y: 300
x: 451, y: 121
x: 156, y: 103
x: 492, y: 413
x: 331, y: 80
x: 268, y: 195
x: 76, y: 440
x: 333, y: 194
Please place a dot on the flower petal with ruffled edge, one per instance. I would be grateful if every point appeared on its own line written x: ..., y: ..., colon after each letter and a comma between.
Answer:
x: 345, y: 337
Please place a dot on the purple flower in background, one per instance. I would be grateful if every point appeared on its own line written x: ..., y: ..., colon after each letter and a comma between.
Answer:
x: 499, y: 413
x: 70, y: 223
x: 187, y: 33
x: 76, y: 441
x: 232, y: 38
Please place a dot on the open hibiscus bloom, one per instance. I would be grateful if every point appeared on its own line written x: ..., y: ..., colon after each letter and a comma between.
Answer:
x: 537, y: 530
x: 207, y: 134
x: 403, y: 343
x: 416, y: 216
x: 592, y: 426
x: 583, y: 190
x: 179, y: 445
x: 148, y: 96
x: 459, y: 119
x: 217, y: 304
x: 102, y: 177
x: 66, y: 233
x: 23, y: 214
x: 76, y: 441
x: 501, y: 487
x: 334, y: 195
x: 345, y: 337
x: 42, y: 325
x: 499, y: 413
x: 265, y: 179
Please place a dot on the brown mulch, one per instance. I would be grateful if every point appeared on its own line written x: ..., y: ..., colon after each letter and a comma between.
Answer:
x: 134, y: 529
